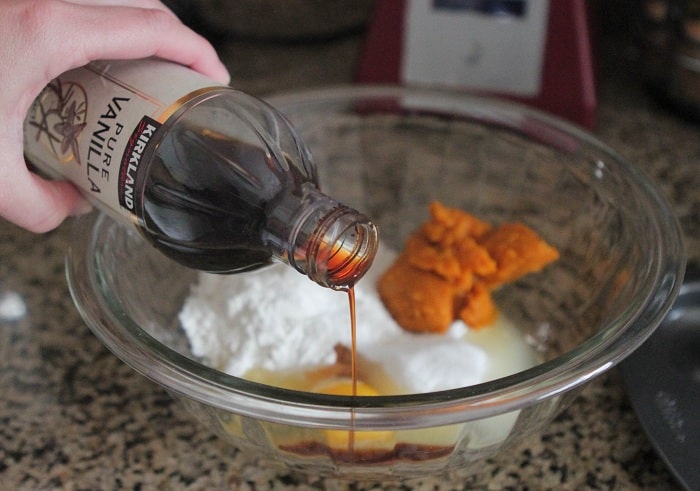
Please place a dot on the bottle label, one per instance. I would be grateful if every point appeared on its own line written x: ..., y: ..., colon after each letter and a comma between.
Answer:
x: 92, y: 125
x: 135, y: 148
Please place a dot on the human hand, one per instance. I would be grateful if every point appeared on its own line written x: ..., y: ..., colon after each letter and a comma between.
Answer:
x: 41, y: 39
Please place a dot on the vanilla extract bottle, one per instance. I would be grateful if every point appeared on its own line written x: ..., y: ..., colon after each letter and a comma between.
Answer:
x: 214, y: 178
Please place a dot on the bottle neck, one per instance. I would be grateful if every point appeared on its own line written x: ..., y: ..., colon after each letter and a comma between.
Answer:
x: 331, y: 243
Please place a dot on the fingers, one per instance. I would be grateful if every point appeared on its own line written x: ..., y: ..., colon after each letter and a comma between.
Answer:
x: 36, y: 204
x: 136, y: 32
x: 68, y: 34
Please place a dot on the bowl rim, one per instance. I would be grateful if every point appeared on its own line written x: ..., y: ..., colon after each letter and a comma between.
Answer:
x: 186, y: 377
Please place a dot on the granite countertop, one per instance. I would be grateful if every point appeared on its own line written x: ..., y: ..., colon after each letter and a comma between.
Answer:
x: 74, y: 417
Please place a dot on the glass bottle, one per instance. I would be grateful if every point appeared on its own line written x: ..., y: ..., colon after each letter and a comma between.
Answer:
x: 214, y: 178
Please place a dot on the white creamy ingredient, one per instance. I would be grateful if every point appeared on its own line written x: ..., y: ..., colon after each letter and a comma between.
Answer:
x: 277, y: 319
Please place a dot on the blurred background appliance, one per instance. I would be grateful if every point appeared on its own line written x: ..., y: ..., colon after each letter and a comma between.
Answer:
x: 539, y: 52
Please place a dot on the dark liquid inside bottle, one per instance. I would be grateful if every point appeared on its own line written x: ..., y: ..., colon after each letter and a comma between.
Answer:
x: 207, y: 197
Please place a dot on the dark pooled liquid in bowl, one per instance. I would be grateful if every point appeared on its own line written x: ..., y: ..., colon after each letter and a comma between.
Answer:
x: 401, y: 452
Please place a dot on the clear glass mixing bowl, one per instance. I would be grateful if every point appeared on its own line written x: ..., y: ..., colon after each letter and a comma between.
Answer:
x: 389, y: 152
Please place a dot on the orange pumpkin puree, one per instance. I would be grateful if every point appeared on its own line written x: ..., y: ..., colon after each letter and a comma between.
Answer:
x: 451, y: 265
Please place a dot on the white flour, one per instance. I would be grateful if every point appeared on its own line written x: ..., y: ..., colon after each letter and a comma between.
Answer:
x: 277, y: 319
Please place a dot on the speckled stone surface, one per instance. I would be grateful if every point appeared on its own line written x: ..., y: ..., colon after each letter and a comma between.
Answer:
x: 74, y: 417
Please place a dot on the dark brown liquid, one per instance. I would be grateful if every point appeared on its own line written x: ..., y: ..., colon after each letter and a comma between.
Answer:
x: 206, y: 199
x: 353, y: 339
x: 342, y: 264
x: 353, y: 364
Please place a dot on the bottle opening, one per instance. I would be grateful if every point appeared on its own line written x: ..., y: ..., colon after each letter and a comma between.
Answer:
x: 343, y: 248
x: 351, y: 255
